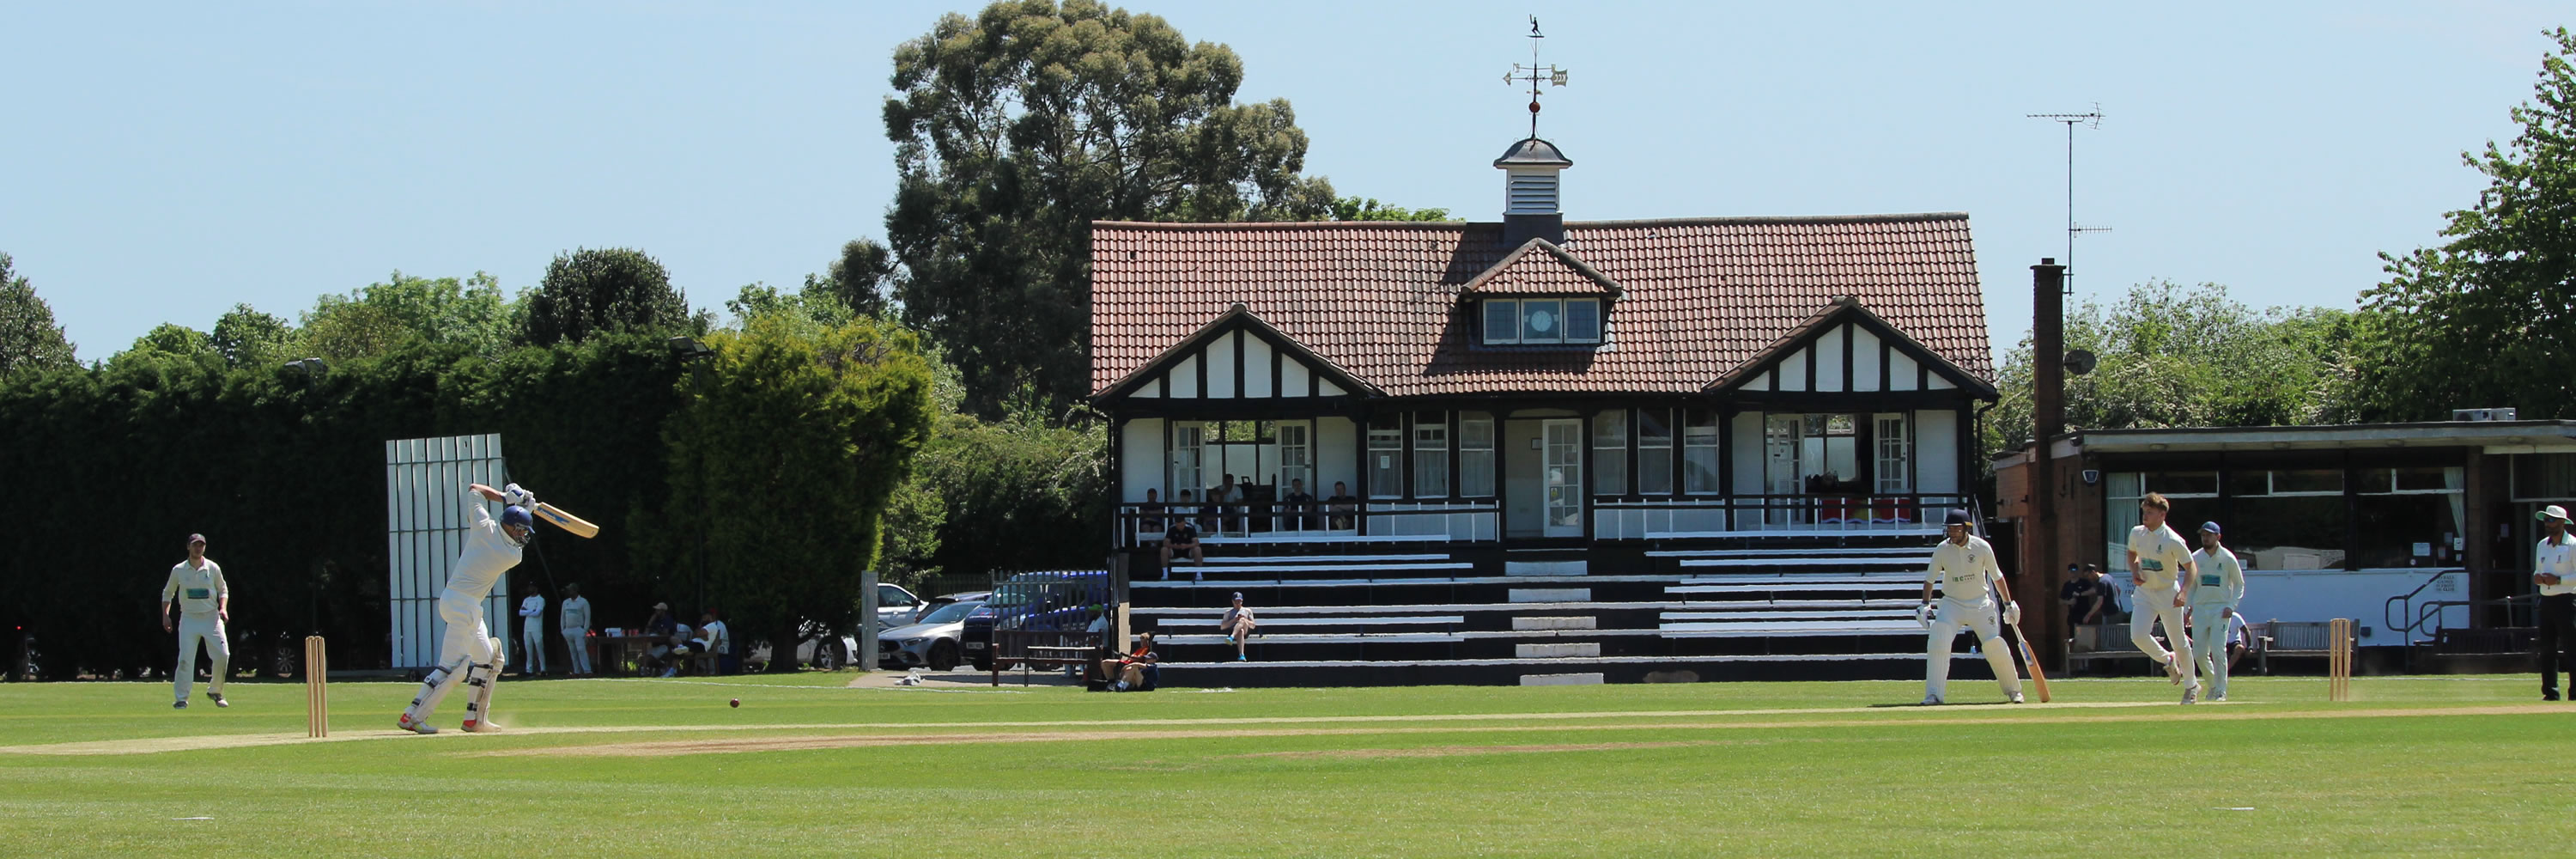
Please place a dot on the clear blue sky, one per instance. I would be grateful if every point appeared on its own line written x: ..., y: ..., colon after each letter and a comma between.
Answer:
x: 165, y: 163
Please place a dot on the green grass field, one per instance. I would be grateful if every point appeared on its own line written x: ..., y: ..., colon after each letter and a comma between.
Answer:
x: 662, y: 768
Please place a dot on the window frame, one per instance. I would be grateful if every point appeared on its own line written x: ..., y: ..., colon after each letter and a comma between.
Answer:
x: 1511, y: 337
x: 1617, y: 447
x: 1647, y: 444
x: 1696, y: 443
x: 1385, y: 442
x: 1469, y: 454
x: 1430, y: 452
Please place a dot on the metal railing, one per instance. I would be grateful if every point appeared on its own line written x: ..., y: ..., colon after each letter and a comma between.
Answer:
x: 1474, y: 520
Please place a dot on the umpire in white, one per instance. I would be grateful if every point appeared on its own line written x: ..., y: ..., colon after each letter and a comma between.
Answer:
x: 205, y: 602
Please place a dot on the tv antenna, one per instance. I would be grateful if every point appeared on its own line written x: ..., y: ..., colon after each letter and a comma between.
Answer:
x: 2089, y: 120
x: 1535, y: 74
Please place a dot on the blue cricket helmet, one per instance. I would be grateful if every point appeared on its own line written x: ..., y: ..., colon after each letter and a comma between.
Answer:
x: 517, y: 515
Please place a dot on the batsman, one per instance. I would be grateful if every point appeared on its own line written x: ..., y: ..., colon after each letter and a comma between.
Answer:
x: 468, y: 652
x: 1964, y: 566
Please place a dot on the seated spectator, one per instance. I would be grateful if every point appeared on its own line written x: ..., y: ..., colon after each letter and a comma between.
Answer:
x: 2087, y: 595
x: 1341, y: 506
x: 2239, y: 639
x: 1300, y: 505
x: 712, y: 639
x: 1181, y: 538
x: 1212, y: 508
x: 1136, y: 671
x: 1238, y: 625
x: 658, y: 633
x: 1149, y: 515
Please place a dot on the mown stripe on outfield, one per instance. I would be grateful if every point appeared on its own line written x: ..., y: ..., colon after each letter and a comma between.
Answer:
x: 968, y: 732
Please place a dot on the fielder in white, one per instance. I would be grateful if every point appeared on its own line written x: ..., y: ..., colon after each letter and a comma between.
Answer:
x: 574, y: 619
x: 1964, y: 565
x: 468, y: 651
x: 2161, y: 568
x: 2218, y: 589
x: 205, y: 603
x: 532, y: 633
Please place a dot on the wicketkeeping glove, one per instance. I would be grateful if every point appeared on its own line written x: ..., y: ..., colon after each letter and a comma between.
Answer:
x: 1923, y: 615
x: 2012, y: 612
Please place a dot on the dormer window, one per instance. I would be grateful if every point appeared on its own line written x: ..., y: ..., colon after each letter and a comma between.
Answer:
x: 1542, y: 321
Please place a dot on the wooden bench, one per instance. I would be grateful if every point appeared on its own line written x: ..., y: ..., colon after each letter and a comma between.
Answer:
x: 2303, y: 638
x: 2095, y: 642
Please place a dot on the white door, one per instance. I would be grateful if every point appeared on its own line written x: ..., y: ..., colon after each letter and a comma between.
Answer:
x: 1782, y: 437
x: 1564, y: 471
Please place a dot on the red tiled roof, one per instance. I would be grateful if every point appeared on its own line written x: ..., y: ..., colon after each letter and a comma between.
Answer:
x: 1539, y: 267
x: 1698, y: 297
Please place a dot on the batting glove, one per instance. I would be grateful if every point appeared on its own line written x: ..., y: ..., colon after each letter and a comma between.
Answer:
x: 516, y: 497
x: 1923, y: 615
x: 2012, y: 612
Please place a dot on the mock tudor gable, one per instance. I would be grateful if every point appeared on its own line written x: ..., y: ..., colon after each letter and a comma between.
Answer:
x: 1539, y: 382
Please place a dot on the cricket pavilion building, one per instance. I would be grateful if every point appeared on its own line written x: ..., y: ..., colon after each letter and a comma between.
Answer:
x: 1540, y: 450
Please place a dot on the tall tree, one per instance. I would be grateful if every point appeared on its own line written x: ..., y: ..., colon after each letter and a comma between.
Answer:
x: 782, y: 460
x: 1368, y: 209
x: 29, y: 339
x: 249, y: 338
x: 1016, y: 128
x: 2176, y: 357
x: 2486, y: 319
x: 608, y: 289
x: 375, y: 319
x: 860, y: 276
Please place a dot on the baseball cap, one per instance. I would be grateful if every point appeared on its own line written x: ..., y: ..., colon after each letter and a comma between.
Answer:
x: 661, y: 606
x: 1956, y: 517
x: 200, y: 538
x: 1238, y: 594
x: 2552, y: 512
x: 2211, y: 527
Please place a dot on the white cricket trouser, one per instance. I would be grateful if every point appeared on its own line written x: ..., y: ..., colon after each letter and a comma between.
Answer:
x: 577, y: 644
x: 465, y: 643
x: 2152, y: 605
x: 1977, y: 616
x: 532, y: 644
x: 2209, y: 627
x: 207, y: 628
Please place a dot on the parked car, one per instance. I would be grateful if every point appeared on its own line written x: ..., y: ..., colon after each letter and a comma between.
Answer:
x: 1054, y: 600
x: 895, y: 606
x: 943, y: 600
x: 932, y: 643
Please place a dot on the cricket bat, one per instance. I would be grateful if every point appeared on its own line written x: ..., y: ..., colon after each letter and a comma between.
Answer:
x: 2038, y: 678
x: 581, y: 527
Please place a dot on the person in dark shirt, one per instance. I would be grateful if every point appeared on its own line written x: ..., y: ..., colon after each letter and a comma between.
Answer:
x: 1181, y: 538
x: 1149, y: 515
x: 1300, y: 505
x: 2087, y: 595
x: 1341, y: 505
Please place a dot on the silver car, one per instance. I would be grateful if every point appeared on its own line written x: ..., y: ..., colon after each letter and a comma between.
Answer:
x: 931, y: 644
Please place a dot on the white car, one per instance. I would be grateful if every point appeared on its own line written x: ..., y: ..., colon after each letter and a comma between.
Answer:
x: 931, y: 644
x: 895, y: 606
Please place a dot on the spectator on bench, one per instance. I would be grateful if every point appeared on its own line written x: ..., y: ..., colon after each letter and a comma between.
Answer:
x: 2087, y: 595
x: 1134, y: 672
x: 1149, y: 515
x: 1300, y: 505
x: 659, y: 631
x: 712, y: 640
x: 1340, y: 506
x: 1238, y: 625
x: 1182, y: 538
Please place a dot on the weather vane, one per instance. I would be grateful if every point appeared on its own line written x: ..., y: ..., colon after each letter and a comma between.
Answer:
x: 1535, y: 74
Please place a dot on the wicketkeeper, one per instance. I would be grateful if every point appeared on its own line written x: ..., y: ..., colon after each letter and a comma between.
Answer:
x: 468, y: 651
x: 1964, y: 566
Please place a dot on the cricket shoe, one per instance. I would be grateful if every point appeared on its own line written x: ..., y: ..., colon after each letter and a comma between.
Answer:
x: 1932, y: 701
x: 2016, y: 697
x: 2191, y: 695
x: 180, y: 704
x: 218, y: 698
x: 407, y: 724
x: 2220, y: 697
